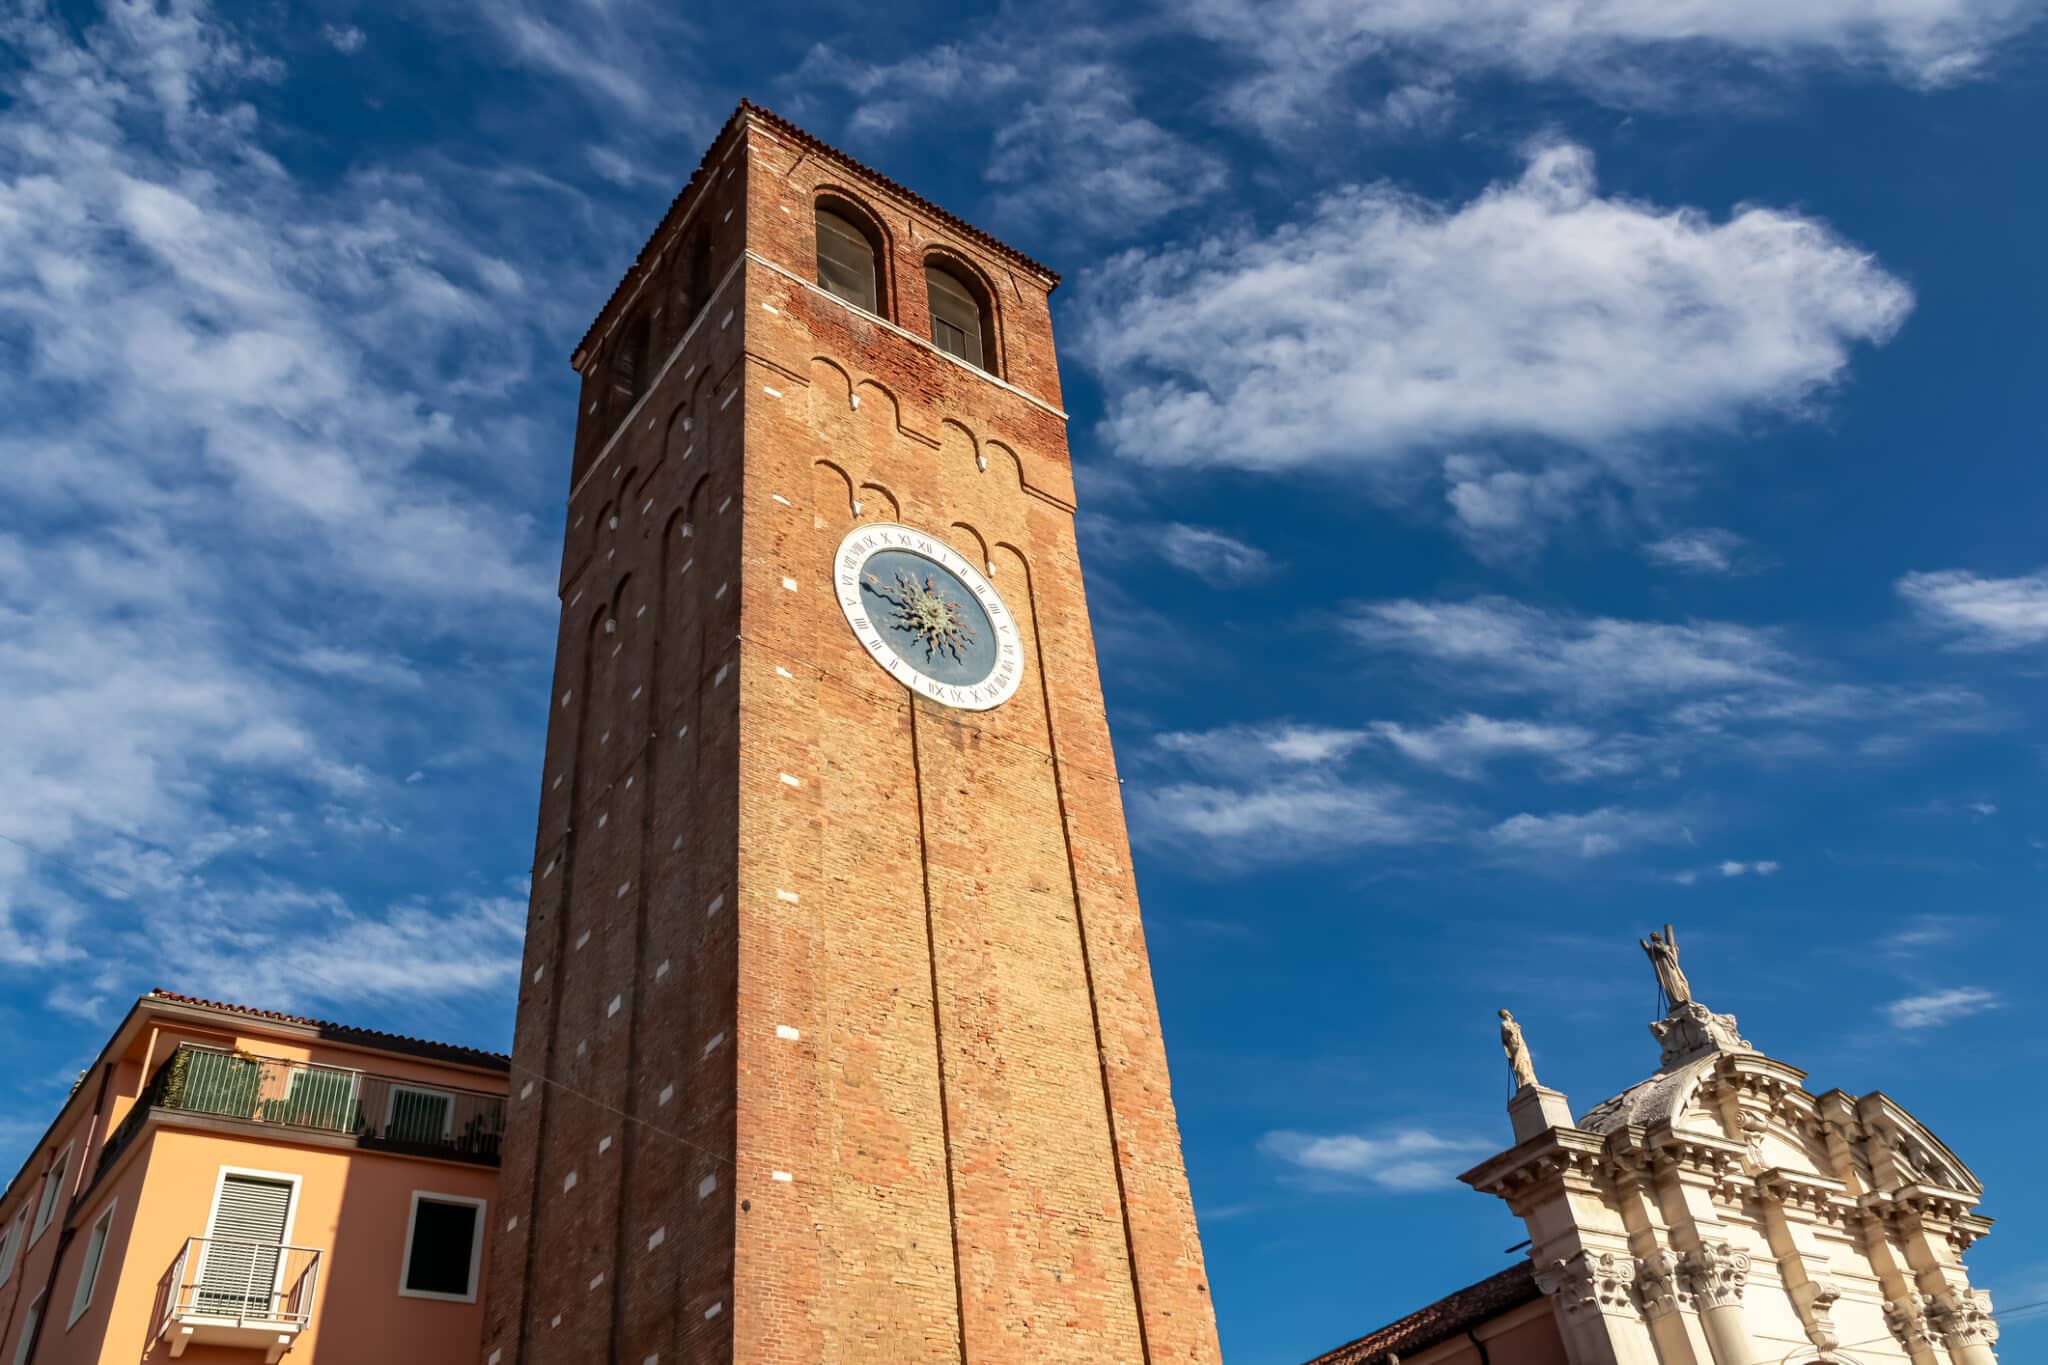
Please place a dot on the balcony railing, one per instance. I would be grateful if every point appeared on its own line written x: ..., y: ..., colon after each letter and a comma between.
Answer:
x: 232, y: 1291
x: 380, y: 1112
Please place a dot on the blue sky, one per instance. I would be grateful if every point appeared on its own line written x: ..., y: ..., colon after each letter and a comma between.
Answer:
x: 1547, y: 469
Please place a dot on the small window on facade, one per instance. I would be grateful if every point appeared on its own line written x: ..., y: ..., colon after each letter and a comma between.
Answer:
x: 11, y: 1238
x: 959, y: 322
x: 89, y: 1268
x: 28, y: 1331
x: 53, y: 1187
x: 443, y: 1245
x: 846, y: 261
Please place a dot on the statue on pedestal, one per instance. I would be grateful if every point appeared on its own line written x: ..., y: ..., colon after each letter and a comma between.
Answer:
x: 1663, y: 955
x: 1518, y: 1052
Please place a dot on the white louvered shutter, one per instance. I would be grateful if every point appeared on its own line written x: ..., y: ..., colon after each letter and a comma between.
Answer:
x: 239, y: 1274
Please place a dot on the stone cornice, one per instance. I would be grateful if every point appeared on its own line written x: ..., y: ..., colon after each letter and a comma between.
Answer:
x: 1547, y: 1161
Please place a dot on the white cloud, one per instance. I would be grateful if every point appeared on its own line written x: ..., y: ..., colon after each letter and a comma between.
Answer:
x: 1403, y: 1160
x: 1732, y: 868
x: 1984, y: 613
x: 346, y: 38
x: 1495, y: 642
x: 1584, y: 835
x: 1383, y: 327
x: 1209, y: 554
x: 1939, y: 1007
x: 1642, y: 52
x: 1706, y: 550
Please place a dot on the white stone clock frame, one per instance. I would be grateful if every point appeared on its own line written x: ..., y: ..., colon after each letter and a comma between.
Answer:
x: 866, y: 540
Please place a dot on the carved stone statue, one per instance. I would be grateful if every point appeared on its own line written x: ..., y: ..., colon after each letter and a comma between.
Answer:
x: 1518, y: 1052
x: 1663, y: 955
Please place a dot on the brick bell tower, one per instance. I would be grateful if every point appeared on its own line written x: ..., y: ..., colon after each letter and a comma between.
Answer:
x: 836, y: 1037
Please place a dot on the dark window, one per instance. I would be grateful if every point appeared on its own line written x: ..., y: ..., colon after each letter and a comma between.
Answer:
x: 441, y: 1258
x: 959, y: 320
x: 846, y: 261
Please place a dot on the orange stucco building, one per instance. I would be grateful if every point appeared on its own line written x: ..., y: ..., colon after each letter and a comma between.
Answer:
x: 233, y: 1185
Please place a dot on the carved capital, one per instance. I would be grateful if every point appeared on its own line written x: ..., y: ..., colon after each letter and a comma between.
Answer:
x: 1660, y: 1284
x: 1715, y: 1273
x: 1961, y: 1319
x: 1589, y: 1281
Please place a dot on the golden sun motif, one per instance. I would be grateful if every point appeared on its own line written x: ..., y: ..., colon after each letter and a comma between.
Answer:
x: 924, y: 612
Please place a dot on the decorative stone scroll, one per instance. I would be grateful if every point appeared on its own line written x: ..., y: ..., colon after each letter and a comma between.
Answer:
x: 1907, y: 1319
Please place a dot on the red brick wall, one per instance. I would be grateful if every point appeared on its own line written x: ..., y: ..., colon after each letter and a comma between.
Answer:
x: 966, y: 1150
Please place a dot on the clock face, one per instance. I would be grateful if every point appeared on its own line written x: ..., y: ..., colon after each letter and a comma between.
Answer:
x: 928, y: 616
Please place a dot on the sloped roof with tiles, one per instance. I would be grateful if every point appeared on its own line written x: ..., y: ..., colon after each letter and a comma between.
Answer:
x: 1446, y: 1318
x: 423, y: 1048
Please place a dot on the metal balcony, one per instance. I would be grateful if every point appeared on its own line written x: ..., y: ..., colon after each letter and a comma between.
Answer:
x: 230, y: 1291
x: 383, y: 1113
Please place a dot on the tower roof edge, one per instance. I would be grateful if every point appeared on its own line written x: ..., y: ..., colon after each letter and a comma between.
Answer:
x: 747, y: 111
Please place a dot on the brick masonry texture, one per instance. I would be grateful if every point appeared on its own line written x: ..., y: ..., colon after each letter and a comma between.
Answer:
x: 836, y: 1009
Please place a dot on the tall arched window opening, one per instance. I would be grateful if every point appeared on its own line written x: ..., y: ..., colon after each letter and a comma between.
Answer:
x: 846, y: 261
x: 629, y: 361
x: 960, y: 320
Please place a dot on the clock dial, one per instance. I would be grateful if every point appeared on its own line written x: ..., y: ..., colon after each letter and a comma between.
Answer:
x: 928, y: 617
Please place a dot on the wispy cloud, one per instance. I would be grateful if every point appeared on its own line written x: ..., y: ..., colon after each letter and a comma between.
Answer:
x: 1281, y: 818
x: 1637, y: 52
x: 1505, y: 644
x: 1704, y: 550
x: 1209, y: 554
x: 1584, y: 835
x: 1402, y: 1160
x: 1069, y: 148
x: 1939, y: 1007
x: 1981, y: 612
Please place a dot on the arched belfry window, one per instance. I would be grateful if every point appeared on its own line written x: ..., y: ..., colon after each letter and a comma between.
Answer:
x: 629, y: 360
x: 960, y: 316
x: 846, y: 260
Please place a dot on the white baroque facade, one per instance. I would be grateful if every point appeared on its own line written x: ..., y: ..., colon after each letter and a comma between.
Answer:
x: 1718, y: 1213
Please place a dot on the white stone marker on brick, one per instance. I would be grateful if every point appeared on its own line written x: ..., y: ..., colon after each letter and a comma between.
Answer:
x: 714, y: 1310
x: 568, y: 1182
x: 784, y: 1176
x: 789, y: 896
x: 596, y: 1280
x: 789, y: 781
x: 604, y: 1144
x: 789, y: 584
x: 786, y: 1033
x: 717, y: 904
x: 712, y: 1046
x: 668, y: 1092
x: 655, y: 1239
x: 707, y: 1185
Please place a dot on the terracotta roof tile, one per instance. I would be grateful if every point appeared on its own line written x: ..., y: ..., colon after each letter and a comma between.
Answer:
x: 790, y: 130
x: 1442, y: 1320
x: 347, y: 1033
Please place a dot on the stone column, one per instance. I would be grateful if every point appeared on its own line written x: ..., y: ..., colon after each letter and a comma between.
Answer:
x: 1965, y: 1327
x: 1716, y: 1274
x: 1593, y: 1295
